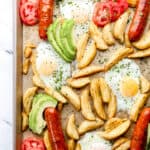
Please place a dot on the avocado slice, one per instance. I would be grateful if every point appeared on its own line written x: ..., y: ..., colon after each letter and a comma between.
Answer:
x: 51, y: 39
x: 40, y: 102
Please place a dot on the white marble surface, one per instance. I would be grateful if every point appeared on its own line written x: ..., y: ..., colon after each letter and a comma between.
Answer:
x: 6, y: 57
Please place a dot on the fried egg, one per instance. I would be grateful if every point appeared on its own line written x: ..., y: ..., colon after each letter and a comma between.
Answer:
x: 51, y: 68
x: 92, y: 141
x: 124, y: 80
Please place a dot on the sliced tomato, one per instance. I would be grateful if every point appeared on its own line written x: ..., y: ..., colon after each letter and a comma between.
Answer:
x: 123, y: 4
x: 33, y: 144
x: 32, y: 1
x: 29, y: 13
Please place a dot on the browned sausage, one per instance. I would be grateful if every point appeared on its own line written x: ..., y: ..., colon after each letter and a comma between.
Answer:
x: 55, y: 130
x: 139, y: 20
x: 45, y: 16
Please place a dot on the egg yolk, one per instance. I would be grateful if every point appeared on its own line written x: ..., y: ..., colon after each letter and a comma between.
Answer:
x: 128, y: 87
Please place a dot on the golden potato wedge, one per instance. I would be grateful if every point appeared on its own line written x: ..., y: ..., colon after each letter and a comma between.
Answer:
x: 81, y: 46
x: 78, y: 83
x: 78, y: 146
x: 140, y: 54
x: 117, y: 131
x: 119, y: 142
x: 60, y: 106
x: 88, y: 56
x: 138, y: 105
x: 132, y: 3
x: 105, y: 90
x: 87, y: 71
x: 71, y: 128
x: 47, y: 140
x: 143, y: 42
x: 127, y: 41
x: 145, y: 85
x: 107, y: 34
x: 86, y: 126
x: 86, y: 109
x: 112, y: 106
x: 97, y: 100
x: 31, y: 45
x: 50, y: 91
x: 27, y: 99
x: 71, y: 144
x: 26, y: 66
x: 117, y: 56
x: 37, y: 82
x: 27, y: 52
x: 24, y: 121
x: 72, y: 97
x: 120, y: 26
x: 97, y: 37
x: 124, y: 146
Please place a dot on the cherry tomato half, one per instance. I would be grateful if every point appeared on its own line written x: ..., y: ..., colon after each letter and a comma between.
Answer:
x: 32, y: 144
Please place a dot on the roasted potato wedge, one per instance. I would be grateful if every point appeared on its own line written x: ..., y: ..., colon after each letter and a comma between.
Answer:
x: 127, y: 41
x: 144, y: 41
x: 86, y: 109
x: 71, y: 128
x: 72, y: 97
x: 71, y: 144
x: 78, y: 146
x: 87, y: 71
x: 105, y: 90
x: 107, y: 34
x: 81, y: 46
x: 27, y: 99
x: 124, y: 146
x: 60, y: 106
x: 37, y: 82
x: 97, y: 99
x: 86, y: 126
x: 132, y: 3
x: 88, y: 56
x: 50, y: 91
x: 26, y: 66
x: 145, y: 85
x: 47, y: 140
x: 78, y: 83
x: 112, y: 106
x: 140, y: 54
x: 117, y: 56
x: 27, y: 52
x: 24, y: 121
x: 138, y: 105
x: 97, y: 37
x: 31, y: 45
x: 120, y: 26
x: 117, y: 131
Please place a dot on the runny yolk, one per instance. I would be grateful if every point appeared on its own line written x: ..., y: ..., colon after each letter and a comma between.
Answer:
x: 128, y: 87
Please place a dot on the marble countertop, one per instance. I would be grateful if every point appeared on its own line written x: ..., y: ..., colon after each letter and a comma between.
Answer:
x: 6, y: 58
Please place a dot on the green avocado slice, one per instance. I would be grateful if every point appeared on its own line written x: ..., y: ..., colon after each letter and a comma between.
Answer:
x: 51, y: 39
x: 40, y: 102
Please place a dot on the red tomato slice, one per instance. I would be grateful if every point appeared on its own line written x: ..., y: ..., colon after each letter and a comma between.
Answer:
x: 33, y: 1
x: 29, y: 13
x: 32, y: 144
x: 123, y: 4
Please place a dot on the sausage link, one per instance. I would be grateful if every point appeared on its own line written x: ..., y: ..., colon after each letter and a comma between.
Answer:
x: 55, y: 130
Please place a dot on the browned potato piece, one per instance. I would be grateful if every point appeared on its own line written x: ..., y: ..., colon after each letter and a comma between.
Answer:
x: 47, y: 140
x: 50, y: 91
x: 60, y: 106
x: 37, y: 82
x: 27, y: 99
x: 112, y: 106
x: 144, y: 41
x: 26, y: 66
x: 71, y: 144
x: 117, y: 131
x: 132, y: 3
x: 98, y: 104
x: 86, y: 109
x: 88, y: 56
x: 31, y: 45
x: 117, y: 56
x: 124, y: 146
x: 81, y: 46
x: 78, y: 147
x: 87, y: 71
x: 71, y: 128
x: 140, y: 54
x: 86, y: 126
x: 72, y: 97
x: 145, y: 85
x: 105, y: 90
x: 97, y: 37
x: 78, y: 83
x: 138, y: 105
x: 24, y: 121
x: 27, y: 52
x: 127, y: 41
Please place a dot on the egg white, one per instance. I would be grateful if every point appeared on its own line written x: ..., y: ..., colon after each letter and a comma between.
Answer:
x: 58, y: 78
x: 125, y: 68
